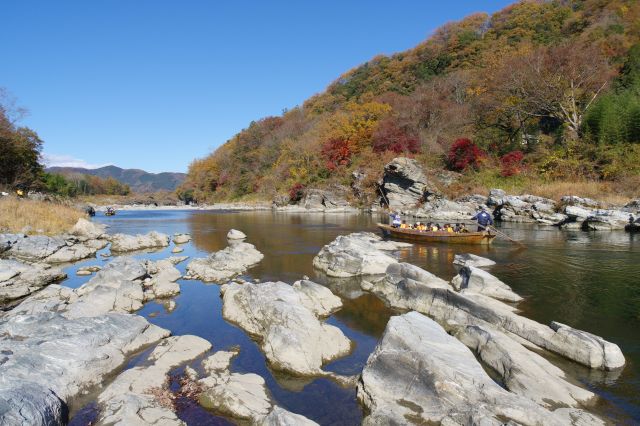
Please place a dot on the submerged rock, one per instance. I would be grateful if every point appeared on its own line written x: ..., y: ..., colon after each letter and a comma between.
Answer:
x: 18, y: 279
x: 48, y: 359
x: 290, y: 333
x: 445, y: 305
x: 123, y: 242
x: 472, y: 279
x: 361, y: 253
x: 419, y: 374
x: 224, y: 264
x: 130, y: 399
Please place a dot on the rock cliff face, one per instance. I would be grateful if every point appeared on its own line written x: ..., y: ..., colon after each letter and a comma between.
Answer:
x: 404, y: 183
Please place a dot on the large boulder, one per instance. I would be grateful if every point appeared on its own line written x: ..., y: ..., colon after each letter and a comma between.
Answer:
x: 290, y: 333
x: 48, y: 358
x: 181, y: 238
x: 19, y: 279
x: 522, y: 371
x: 469, y: 259
x: 472, y: 279
x: 123, y: 242
x: 8, y: 240
x: 404, y: 183
x: 419, y: 374
x: 36, y: 248
x: 163, y: 283
x: 76, y: 251
x: 234, y: 234
x: 224, y: 264
x: 130, y: 399
x: 87, y: 229
x: 334, y: 197
x: 361, y: 253
x: 446, y: 210
x: 446, y: 305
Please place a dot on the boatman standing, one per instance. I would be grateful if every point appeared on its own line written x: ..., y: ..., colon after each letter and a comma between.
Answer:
x: 395, y: 220
x: 483, y: 217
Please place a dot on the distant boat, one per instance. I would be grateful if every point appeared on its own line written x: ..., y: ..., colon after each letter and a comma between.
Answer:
x: 110, y: 212
x: 437, y: 236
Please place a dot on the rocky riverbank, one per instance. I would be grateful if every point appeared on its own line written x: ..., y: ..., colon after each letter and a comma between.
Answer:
x: 425, y: 368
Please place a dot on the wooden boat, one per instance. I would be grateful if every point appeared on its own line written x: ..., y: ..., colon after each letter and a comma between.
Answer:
x: 110, y: 213
x: 437, y: 236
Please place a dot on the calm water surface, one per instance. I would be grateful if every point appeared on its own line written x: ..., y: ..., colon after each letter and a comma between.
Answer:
x: 587, y: 280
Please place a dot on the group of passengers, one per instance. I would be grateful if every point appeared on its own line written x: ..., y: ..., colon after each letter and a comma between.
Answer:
x: 434, y: 227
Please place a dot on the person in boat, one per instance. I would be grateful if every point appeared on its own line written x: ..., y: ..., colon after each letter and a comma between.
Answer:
x: 484, y: 218
x: 395, y: 220
x: 422, y: 227
x: 91, y: 211
x: 450, y: 228
x: 461, y: 228
x: 404, y: 225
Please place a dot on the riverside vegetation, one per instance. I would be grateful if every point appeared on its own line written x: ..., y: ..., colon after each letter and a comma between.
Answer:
x: 537, y: 95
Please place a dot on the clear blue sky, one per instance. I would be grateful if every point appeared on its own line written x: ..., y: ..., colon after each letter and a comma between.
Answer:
x: 153, y: 84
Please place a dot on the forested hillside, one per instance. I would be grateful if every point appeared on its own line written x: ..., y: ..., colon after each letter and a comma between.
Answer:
x: 540, y: 91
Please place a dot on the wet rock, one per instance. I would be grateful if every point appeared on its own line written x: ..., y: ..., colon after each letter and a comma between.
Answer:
x: 19, y: 279
x: 468, y: 259
x: 75, y: 252
x: 130, y: 399
x: 36, y: 248
x: 234, y: 234
x: 472, y: 279
x: 87, y: 229
x: 224, y: 264
x: 522, y: 371
x: 77, y: 353
x: 420, y: 374
x: 181, y: 238
x: 290, y: 334
x: 355, y: 254
x: 404, y: 183
x: 445, y: 305
x: 123, y: 242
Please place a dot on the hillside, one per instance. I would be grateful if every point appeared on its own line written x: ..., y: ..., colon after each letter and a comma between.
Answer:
x: 541, y: 92
x: 138, y: 180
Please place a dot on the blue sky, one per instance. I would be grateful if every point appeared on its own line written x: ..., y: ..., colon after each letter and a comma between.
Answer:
x: 153, y: 84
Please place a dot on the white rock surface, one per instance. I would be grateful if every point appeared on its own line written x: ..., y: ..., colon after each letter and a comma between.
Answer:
x: 124, y: 242
x: 234, y: 234
x: 469, y: 259
x: 45, y: 354
x: 420, y: 374
x: 224, y: 264
x: 281, y: 417
x: 128, y: 400
x: 476, y: 280
x: 36, y: 248
x: 77, y: 251
x: 181, y: 238
x: 445, y: 305
x: 18, y: 279
x: 87, y: 229
x: 290, y: 334
x: 361, y: 253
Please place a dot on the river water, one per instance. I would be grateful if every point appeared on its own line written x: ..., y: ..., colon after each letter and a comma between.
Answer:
x: 590, y: 281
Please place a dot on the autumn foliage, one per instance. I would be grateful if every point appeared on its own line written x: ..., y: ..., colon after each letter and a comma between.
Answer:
x: 296, y: 192
x: 464, y: 154
x: 390, y: 137
x: 512, y: 163
x: 336, y: 153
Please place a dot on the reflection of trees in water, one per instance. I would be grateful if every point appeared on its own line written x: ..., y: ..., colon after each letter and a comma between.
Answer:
x: 367, y: 314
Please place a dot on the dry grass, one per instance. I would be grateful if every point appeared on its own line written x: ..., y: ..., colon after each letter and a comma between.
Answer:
x: 605, y: 192
x: 18, y: 215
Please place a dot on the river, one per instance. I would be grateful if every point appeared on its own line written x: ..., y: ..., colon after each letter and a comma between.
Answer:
x: 589, y: 281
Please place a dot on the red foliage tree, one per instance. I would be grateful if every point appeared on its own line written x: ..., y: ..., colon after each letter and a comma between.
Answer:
x: 390, y: 137
x: 464, y: 154
x: 296, y: 192
x: 336, y: 153
x: 512, y: 163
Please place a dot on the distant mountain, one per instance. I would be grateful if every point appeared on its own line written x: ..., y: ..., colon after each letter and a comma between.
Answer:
x: 138, y: 180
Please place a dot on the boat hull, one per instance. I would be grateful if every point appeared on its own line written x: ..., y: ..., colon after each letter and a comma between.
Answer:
x: 438, y: 236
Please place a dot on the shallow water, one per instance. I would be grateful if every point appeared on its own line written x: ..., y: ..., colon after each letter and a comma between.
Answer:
x: 586, y: 280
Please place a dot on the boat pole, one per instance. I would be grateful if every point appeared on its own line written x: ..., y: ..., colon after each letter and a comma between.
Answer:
x: 503, y: 235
